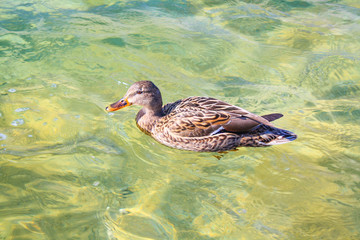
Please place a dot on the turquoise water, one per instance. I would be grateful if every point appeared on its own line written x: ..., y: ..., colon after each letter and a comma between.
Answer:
x: 69, y: 170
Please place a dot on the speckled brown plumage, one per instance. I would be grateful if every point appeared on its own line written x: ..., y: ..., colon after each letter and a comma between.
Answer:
x: 200, y: 123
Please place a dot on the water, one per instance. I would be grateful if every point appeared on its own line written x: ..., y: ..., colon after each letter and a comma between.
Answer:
x: 72, y: 171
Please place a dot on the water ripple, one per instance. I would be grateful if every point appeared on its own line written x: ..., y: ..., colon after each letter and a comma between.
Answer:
x: 70, y: 170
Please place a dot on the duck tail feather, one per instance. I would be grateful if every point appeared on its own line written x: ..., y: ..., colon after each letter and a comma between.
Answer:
x: 273, y: 116
x: 263, y: 135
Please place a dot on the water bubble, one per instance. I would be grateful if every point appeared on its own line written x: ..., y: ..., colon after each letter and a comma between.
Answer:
x: 110, y: 114
x: 22, y: 109
x: 53, y: 85
x: 18, y: 122
x: 45, y: 123
x: 12, y: 90
x: 55, y: 119
x: 2, y: 136
x: 30, y: 136
x: 96, y: 183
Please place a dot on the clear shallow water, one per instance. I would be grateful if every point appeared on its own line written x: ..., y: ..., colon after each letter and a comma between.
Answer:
x: 69, y: 170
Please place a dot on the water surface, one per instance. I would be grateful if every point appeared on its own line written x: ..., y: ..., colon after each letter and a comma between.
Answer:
x: 69, y: 170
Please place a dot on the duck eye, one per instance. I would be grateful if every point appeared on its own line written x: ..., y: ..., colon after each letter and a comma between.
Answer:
x: 139, y: 92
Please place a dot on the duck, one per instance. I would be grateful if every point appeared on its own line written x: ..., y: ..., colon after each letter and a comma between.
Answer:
x: 201, y: 124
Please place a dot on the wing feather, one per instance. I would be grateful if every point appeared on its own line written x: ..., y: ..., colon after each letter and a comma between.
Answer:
x: 205, y: 116
x: 194, y: 123
x: 208, y: 103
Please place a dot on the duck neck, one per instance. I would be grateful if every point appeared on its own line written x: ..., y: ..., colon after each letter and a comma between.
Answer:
x: 153, y: 113
x: 147, y: 118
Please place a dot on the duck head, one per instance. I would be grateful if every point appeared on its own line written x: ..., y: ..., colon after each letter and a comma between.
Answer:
x: 143, y: 93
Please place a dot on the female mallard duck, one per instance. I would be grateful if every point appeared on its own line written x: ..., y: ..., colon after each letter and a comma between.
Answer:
x: 200, y: 124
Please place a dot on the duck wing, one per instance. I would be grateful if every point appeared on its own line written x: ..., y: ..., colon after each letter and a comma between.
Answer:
x: 194, y: 123
x: 205, y: 116
x: 240, y: 120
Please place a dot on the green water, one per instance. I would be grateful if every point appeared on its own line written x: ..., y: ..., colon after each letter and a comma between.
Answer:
x: 69, y: 170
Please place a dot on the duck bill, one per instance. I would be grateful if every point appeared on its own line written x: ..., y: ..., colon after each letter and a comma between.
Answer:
x: 118, y: 105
